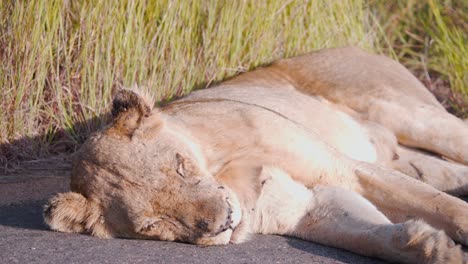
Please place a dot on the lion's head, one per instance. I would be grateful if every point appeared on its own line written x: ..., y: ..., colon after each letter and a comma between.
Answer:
x: 140, y: 178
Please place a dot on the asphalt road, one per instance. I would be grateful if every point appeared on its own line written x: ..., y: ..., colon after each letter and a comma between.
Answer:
x: 24, y: 238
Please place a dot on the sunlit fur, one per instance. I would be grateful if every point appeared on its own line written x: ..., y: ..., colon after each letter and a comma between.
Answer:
x: 305, y: 147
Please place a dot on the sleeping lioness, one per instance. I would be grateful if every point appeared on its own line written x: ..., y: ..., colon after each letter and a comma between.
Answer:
x: 337, y: 147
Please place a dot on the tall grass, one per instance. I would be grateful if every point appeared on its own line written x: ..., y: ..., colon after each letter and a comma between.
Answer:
x: 431, y: 38
x: 62, y: 59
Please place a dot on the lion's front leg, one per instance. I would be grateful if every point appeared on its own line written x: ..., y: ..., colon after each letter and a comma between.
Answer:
x: 344, y: 219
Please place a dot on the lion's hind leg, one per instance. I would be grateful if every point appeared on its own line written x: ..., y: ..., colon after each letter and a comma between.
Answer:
x: 344, y: 219
x: 423, y: 126
x: 443, y: 175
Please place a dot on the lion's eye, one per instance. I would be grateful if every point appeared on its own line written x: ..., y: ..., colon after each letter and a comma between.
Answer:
x: 180, y: 172
x: 149, y: 224
x: 180, y: 166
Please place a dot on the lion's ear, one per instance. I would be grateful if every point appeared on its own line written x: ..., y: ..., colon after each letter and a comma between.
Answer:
x: 72, y: 213
x: 131, y: 109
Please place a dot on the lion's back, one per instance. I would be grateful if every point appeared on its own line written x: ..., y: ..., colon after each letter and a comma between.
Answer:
x: 313, y: 114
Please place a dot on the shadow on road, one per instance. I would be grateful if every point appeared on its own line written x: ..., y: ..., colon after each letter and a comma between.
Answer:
x: 26, y: 215
x: 330, y: 252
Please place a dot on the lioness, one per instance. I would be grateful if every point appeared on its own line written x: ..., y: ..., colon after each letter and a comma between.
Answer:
x: 309, y: 147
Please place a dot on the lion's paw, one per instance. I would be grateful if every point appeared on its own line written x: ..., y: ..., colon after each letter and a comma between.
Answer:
x: 426, y: 244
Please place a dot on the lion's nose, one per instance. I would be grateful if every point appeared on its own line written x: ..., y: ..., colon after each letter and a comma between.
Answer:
x: 203, y: 225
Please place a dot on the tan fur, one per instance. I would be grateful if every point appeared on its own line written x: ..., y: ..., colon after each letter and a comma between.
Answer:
x: 444, y: 175
x: 306, y: 147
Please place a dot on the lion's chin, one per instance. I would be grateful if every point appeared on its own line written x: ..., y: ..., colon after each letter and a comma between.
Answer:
x: 222, y: 238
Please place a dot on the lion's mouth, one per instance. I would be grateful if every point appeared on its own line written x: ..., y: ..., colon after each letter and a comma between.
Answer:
x: 234, y: 215
x: 234, y: 211
x: 229, y: 221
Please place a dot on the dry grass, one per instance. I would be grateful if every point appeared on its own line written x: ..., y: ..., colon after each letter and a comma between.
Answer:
x: 61, y: 60
x: 431, y: 38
